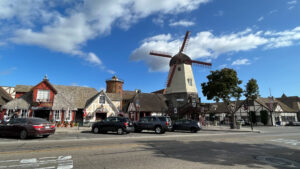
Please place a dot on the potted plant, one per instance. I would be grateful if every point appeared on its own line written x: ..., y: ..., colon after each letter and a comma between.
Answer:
x: 58, y: 124
x: 238, y: 125
x: 66, y: 124
x: 72, y: 124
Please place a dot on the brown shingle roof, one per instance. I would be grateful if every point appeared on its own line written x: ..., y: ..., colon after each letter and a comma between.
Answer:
x: 128, y: 95
x: 151, y: 102
x: 292, y: 101
x: 23, y: 88
x: 114, y: 96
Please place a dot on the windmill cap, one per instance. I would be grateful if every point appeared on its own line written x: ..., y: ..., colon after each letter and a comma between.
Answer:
x: 180, y: 58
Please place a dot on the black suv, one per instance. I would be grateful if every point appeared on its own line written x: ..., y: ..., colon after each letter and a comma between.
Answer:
x: 188, y: 125
x: 159, y: 124
x: 116, y: 124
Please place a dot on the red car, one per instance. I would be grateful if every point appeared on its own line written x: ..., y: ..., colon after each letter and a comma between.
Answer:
x: 26, y: 127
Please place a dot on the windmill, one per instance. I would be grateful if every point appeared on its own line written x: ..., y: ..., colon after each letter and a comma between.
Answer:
x: 181, y: 85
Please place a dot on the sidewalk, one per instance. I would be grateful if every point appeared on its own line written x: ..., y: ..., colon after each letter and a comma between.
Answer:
x: 227, y: 129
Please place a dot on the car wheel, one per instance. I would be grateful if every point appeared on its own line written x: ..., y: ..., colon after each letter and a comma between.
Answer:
x: 96, y: 130
x: 120, y: 131
x: 193, y: 130
x: 23, y: 134
x: 45, y: 136
x: 158, y: 130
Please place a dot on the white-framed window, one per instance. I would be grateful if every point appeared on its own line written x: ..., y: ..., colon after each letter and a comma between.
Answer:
x: 57, y: 115
x: 190, y: 81
x: 102, y: 99
x: 43, y: 95
x: 24, y: 113
x: 68, y: 115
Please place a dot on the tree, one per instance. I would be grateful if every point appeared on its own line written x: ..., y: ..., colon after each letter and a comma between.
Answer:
x: 251, y: 93
x: 224, y: 85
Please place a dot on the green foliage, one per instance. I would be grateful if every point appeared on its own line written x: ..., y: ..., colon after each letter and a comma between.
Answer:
x: 222, y: 84
x: 252, y: 90
x: 264, y: 117
x: 253, y: 116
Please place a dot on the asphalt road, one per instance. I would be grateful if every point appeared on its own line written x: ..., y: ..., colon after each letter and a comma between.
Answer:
x: 276, y: 147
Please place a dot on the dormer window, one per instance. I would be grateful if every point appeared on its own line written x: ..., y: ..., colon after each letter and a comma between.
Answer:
x: 102, y: 99
x: 43, y: 95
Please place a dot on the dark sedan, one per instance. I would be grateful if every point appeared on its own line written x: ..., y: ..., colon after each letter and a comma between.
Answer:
x: 26, y: 127
x: 187, y: 125
x: 116, y: 124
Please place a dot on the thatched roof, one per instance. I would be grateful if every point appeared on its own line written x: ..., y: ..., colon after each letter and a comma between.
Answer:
x: 67, y: 97
x: 114, y: 96
x: 23, y: 102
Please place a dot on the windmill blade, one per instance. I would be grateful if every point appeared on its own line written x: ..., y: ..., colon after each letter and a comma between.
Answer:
x: 201, y: 63
x: 171, y: 74
x: 162, y: 54
x: 184, y: 41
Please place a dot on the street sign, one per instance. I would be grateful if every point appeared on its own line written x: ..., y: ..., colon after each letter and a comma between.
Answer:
x: 175, y: 110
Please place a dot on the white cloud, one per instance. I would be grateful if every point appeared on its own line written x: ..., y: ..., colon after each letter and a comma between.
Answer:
x: 111, y: 71
x: 273, y: 11
x: 40, y: 23
x: 222, y: 66
x: 293, y: 2
x: 205, y: 45
x: 260, y: 19
x: 240, y: 62
x: 183, y: 23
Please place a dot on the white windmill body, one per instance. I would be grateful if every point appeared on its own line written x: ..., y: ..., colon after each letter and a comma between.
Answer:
x: 181, y: 87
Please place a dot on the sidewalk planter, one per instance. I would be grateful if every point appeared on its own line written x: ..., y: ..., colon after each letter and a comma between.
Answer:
x: 238, y: 125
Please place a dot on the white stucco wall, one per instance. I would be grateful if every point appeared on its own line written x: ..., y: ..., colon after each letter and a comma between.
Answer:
x: 179, y: 81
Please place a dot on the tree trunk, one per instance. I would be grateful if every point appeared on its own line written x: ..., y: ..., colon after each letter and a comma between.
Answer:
x: 233, y: 121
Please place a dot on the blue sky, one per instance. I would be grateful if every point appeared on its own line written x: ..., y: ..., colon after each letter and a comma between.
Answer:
x: 86, y: 42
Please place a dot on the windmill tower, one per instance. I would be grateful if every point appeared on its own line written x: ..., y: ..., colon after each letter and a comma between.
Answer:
x: 181, y: 88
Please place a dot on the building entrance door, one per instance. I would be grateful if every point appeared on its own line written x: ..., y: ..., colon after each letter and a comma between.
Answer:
x: 44, y: 114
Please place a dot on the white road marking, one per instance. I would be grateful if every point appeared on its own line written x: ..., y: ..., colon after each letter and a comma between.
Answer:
x: 287, y: 141
x: 61, y: 162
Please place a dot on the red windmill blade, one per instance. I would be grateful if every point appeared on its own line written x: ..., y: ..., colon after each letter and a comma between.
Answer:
x: 171, y: 74
x: 184, y: 41
x: 201, y: 63
x: 162, y: 54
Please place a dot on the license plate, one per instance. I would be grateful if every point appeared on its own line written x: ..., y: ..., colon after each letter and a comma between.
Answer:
x: 47, y: 127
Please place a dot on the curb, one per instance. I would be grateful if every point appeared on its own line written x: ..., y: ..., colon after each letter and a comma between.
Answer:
x: 232, y: 131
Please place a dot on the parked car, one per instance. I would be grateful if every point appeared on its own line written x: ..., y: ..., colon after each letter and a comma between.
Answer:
x: 26, y: 127
x: 120, y: 125
x: 293, y: 123
x: 187, y: 125
x: 159, y: 124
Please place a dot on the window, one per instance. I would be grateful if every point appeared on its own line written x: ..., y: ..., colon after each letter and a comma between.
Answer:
x: 10, y: 112
x: 56, y: 116
x: 24, y: 113
x: 102, y: 99
x: 190, y: 81
x: 43, y: 96
x: 68, y: 115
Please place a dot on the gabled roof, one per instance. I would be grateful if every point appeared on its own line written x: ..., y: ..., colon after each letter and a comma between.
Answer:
x: 266, y: 103
x: 114, y: 96
x: 150, y: 102
x: 91, y: 100
x: 292, y: 101
x: 4, y: 96
x: 48, y: 83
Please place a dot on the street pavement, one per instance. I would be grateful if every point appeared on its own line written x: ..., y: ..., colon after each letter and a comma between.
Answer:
x: 274, y: 147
